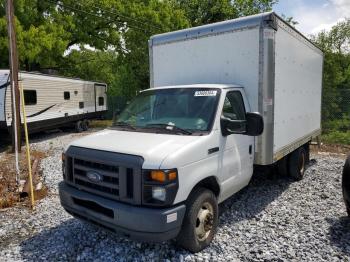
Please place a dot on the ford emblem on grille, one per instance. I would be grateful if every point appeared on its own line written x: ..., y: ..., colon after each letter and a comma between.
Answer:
x: 94, y: 176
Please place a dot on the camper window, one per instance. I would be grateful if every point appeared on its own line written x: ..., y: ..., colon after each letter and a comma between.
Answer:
x: 66, y: 95
x: 30, y: 97
x: 101, y: 101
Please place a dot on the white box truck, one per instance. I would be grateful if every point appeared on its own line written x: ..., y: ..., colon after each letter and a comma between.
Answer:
x: 223, y: 98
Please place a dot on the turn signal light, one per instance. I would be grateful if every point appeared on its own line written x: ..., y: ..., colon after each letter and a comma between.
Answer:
x: 158, y: 175
x: 172, y: 175
x: 163, y: 176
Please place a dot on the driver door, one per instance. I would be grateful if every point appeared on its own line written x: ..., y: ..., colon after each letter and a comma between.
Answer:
x: 236, y: 162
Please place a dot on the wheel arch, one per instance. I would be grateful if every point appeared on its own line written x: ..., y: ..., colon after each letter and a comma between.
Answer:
x: 210, y: 183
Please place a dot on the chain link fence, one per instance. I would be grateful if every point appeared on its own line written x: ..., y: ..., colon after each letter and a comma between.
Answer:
x: 336, y: 116
x: 115, y: 104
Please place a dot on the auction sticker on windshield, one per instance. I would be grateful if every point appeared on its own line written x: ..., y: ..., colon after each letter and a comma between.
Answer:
x: 206, y: 93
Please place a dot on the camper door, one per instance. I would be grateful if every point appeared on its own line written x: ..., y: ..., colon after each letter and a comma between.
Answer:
x: 101, y: 97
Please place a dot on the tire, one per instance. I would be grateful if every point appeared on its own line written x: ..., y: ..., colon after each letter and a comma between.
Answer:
x: 79, y: 127
x: 346, y: 185
x: 282, y: 166
x: 307, y: 150
x: 85, y: 125
x: 297, y: 164
x: 200, y: 222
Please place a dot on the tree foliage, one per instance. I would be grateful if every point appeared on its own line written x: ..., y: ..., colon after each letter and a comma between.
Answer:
x: 200, y: 12
x: 107, y: 40
x: 336, y: 78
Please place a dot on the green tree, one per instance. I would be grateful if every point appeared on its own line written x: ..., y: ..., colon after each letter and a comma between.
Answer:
x: 336, y: 77
x: 201, y: 12
x: 135, y: 23
x: 107, y: 40
x: 47, y: 30
x: 40, y: 39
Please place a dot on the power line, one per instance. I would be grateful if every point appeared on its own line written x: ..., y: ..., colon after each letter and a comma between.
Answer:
x: 97, y: 16
x: 116, y: 13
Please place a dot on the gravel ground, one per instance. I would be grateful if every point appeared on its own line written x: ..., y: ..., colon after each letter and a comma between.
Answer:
x: 272, y: 219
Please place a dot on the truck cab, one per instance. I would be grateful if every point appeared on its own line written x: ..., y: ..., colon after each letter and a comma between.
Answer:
x: 173, y: 154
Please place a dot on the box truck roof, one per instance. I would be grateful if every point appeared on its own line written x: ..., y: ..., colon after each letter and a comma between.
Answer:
x: 220, y: 86
x: 268, y: 19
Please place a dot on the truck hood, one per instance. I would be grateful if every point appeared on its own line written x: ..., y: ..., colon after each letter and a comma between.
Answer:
x: 154, y: 148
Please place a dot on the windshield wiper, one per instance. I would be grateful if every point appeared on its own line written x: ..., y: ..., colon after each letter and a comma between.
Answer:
x: 170, y: 128
x: 124, y: 124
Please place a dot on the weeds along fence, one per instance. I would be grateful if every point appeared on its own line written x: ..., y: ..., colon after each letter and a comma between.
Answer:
x: 336, y: 116
x: 115, y: 105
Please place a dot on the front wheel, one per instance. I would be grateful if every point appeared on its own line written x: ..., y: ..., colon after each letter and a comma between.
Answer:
x: 200, y: 222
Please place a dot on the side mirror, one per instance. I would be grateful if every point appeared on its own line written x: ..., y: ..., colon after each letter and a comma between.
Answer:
x: 252, y: 126
x: 255, y: 124
x: 229, y: 127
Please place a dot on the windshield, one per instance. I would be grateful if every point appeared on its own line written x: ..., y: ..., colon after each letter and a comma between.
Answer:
x: 180, y: 109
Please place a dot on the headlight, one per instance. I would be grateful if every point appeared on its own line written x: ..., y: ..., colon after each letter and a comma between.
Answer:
x: 159, y: 193
x: 159, y: 187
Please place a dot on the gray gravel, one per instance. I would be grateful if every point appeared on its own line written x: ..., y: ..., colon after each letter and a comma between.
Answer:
x: 272, y: 219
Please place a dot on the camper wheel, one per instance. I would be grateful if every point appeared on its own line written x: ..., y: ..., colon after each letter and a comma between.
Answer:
x: 79, y: 127
x: 85, y: 125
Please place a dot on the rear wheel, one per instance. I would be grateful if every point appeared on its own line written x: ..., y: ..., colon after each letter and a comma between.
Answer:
x: 79, y: 127
x: 297, y: 163
x: 282, y: 166
x: 85, y: 125
x: 200, y: 222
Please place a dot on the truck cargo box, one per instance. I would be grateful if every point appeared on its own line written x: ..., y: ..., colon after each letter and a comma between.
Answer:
x: 279, y: 68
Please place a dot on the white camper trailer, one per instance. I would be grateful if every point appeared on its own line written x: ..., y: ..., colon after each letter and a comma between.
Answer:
x: 53, y: 101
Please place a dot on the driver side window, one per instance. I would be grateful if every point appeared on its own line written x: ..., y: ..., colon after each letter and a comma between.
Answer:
x: 234, y: 106
x: 234, y: 109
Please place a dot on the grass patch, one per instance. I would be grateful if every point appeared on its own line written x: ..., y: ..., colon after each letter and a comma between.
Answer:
x: 337, y: 137
x: 100, y: 123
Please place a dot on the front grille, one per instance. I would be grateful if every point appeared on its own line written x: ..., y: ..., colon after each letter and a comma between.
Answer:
x: 109, y: 184
x: 119, y: 176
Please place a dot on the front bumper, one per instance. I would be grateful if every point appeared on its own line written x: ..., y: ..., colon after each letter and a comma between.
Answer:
x: 139, y: 223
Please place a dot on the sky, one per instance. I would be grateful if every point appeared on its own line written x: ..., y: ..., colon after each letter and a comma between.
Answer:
x: 314, y: 16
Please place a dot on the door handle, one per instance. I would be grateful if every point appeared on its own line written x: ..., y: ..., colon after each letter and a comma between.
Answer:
x: 213, y: 150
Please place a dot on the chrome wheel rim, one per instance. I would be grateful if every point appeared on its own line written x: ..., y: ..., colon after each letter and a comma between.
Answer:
x: 204, y: 221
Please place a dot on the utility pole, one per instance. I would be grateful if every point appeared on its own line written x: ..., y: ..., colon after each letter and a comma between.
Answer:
x: 13, y: 59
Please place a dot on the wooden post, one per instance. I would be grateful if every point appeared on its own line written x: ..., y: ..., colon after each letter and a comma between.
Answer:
x: 13, y: 60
